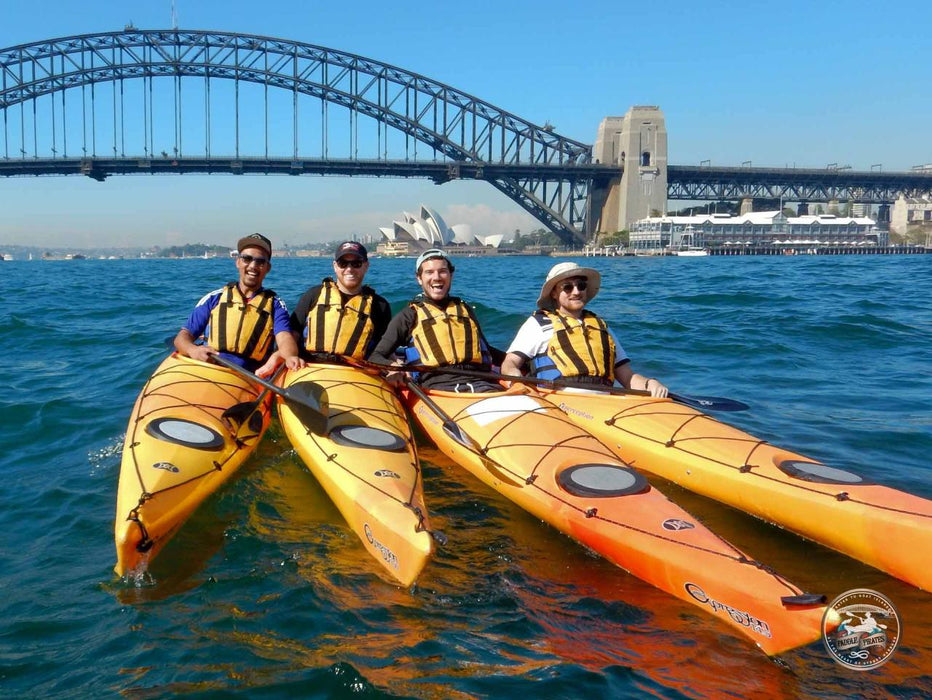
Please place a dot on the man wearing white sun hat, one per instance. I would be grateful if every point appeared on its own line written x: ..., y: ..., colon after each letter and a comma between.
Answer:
x: 563, y: 340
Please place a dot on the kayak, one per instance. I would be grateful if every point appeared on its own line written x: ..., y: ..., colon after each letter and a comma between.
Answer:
x: 885, y: 528
x: 527, y: 449
x: 192, y: 427
x: 366, y: 461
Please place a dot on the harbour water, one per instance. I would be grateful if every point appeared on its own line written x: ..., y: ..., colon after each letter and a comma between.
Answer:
x: 266, y: 593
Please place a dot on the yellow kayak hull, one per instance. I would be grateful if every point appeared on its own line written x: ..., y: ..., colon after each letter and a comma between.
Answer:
x: 179, y: 449
x: 366, y: 462
x: 885, y: 528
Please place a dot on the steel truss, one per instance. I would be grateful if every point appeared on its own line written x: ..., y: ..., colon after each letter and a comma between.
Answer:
x: 794, y: 184
x: 547, y: 174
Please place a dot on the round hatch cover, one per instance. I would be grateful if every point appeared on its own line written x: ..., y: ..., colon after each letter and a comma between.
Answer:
x: 185, y: 432
x: 819, y: 473
x: 602, y: 480
x: 364, y: 436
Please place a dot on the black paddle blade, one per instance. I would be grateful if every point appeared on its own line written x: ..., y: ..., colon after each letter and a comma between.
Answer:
x: 240, y: 413
x: 710, y: 403
x: 308, y: 401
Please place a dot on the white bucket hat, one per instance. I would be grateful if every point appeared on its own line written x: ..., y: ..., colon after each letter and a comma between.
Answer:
x: 563, y: 271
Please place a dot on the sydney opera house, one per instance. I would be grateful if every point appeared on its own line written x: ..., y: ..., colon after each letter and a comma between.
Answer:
x: 413, y: 234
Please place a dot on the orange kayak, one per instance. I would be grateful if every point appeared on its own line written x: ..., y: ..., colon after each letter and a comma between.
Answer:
x: 879, y: 526
x: 193, y: 426
x: 526, y: 448
x: 365, y: 459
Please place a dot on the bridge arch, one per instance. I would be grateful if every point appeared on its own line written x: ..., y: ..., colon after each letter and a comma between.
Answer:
x: 547, y: 174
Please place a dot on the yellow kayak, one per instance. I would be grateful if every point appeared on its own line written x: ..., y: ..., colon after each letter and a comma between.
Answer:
x: 191, y: 428
x: 879, y: 526
x: 366, y: 461
x: 525, y: 448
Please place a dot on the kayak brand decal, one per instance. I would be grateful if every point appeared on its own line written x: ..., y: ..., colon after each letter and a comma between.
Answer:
x: 739, y: 616
x: 387, y: 472
x: 574, y: 411
x: 386, y: 553
x: 868, y: 632
x: 676, y: 524
x: 499, y: 408
x: 167, y: 466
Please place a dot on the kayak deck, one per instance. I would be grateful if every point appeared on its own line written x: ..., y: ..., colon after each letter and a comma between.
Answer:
x: 528, y: 450
x: 366, y: 461
x: 191, y: 428
x: 879, y: 526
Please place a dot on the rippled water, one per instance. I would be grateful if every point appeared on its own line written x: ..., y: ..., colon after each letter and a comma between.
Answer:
x: 266, y: 590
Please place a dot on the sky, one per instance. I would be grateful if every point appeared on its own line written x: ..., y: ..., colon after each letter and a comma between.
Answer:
x: 776, y: 84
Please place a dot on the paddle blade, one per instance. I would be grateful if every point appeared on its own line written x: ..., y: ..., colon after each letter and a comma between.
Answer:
x: 710, y: 403
x: 308, y: 401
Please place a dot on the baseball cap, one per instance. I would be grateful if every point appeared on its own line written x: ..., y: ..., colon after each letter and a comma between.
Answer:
x: 255, y: 240
x: 351, y: 248
x: 432, y: 254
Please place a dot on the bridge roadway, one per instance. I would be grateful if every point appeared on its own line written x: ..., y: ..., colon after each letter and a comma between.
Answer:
x: 685, y: 182
x: 704, y: 183
x: 439, y: 171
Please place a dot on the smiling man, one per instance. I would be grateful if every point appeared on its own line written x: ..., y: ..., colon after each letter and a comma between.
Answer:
x: 438, y: 330
x: 564, y: 340
x: 341, y: 316
x: 241, y: 319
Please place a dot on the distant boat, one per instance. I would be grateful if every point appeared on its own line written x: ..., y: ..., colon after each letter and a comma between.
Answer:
x: 691, y: 252
x: 687, y: 249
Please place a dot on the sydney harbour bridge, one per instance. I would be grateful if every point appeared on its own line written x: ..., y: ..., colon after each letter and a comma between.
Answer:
x: 175, y: 101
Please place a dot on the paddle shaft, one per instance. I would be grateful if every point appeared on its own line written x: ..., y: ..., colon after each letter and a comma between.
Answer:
x: 708, y: 403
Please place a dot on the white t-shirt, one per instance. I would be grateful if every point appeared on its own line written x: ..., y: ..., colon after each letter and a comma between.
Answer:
x: 533, y: 339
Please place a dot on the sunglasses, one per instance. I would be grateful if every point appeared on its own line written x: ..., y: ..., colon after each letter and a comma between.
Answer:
x: 253, y: 259
x: 355, y: 264
x: 581, y: 285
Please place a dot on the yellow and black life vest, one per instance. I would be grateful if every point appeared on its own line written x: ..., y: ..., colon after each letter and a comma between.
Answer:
x: 581, y: 348
x: 338, y: 328
x: 240, y: 326
x: 448, y: 336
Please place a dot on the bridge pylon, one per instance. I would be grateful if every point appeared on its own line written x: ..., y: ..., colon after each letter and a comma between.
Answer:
x: 637, y: 142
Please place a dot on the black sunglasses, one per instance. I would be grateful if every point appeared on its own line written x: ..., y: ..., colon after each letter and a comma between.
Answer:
x: 355, y: 264
x: 579, y: 284
x: 246, y: 258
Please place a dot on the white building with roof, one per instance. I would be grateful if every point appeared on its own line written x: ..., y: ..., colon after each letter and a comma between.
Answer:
x: 759, y: 229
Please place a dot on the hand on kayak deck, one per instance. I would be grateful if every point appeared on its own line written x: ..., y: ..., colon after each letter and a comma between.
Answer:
x: 201, y: 352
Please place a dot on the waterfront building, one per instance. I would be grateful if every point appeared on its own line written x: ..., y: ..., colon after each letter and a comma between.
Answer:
x: 765, y: 229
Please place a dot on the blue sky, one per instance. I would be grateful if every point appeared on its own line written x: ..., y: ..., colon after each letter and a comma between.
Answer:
x: 772, y: 83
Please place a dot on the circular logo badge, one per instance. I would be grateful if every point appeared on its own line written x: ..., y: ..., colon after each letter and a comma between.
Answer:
x: 861, y: 629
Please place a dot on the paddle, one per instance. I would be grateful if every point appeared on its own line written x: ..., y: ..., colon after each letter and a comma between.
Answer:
x: 246, y: 409
x: 308, y: 400
x: 450, y: 426
x: 701, y: 403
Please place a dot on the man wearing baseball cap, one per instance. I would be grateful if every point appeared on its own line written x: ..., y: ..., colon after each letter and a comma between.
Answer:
x: 341, y: 316
x: 241, y: 319
x: 438, y: 330
x: 563, y: 340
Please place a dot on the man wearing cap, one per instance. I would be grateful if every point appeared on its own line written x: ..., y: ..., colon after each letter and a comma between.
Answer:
x: 563, y: 340
x: 341, y: 316
x: 241, y: 319
x: 438, y: 330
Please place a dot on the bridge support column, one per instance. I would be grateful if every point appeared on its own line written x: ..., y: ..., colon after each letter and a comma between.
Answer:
x: 747, y: 205
x: 636, y: 142
x: 802, y: 209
